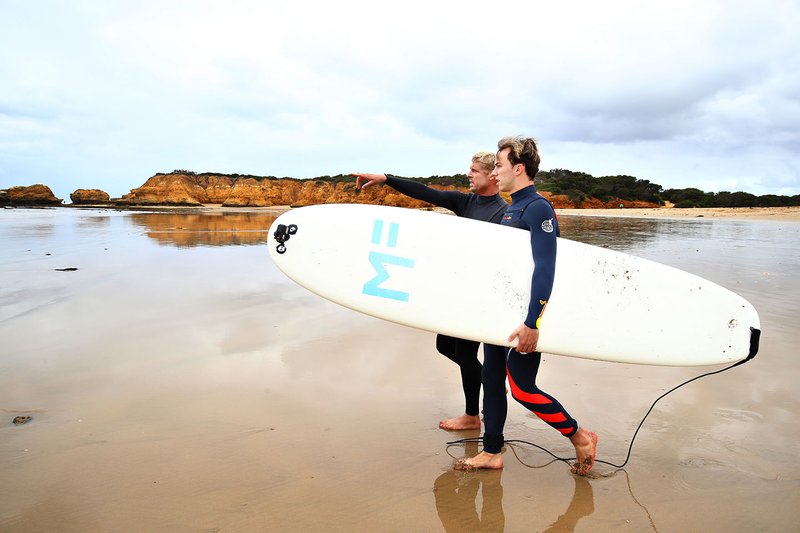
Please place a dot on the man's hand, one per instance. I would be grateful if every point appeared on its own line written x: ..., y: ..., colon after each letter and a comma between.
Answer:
x: 527, y: 338
x: 367, y: 180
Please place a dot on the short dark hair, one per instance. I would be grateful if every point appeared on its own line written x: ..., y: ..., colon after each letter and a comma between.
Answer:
x: 522, y: 150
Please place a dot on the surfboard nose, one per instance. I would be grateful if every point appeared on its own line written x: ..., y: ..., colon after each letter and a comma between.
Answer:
x: 282, y: 234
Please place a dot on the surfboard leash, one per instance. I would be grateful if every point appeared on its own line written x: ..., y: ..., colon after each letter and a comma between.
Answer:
x: 755, y: 336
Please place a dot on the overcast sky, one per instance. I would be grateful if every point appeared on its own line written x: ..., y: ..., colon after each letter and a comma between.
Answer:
x: 104, y: 94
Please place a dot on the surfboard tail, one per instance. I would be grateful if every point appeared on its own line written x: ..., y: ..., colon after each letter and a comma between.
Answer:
x: 755, y: 338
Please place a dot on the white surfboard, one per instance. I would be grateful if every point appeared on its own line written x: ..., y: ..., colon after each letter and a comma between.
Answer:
x: 471, y: 279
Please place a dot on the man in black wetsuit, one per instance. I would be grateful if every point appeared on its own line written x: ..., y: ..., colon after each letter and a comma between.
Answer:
x: 483, y: 202
x: 516, y: 165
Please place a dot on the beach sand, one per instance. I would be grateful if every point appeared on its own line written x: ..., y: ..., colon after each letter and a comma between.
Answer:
x: 723, y: 213
x: 176, y: 384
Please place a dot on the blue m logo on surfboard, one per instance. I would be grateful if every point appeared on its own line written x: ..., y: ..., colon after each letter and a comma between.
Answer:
x: 379, y: 260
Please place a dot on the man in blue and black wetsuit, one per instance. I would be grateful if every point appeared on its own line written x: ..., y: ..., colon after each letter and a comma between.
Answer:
x: 483, y: 202
x: 516, y: 165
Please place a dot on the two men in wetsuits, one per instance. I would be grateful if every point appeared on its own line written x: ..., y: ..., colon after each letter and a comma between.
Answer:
x: 515, y: 166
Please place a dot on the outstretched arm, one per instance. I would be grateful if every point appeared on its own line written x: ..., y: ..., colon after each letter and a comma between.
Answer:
x: 452, y: 200
x: 367, y: 180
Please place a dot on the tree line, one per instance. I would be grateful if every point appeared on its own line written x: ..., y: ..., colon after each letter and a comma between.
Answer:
x: 579, y: 186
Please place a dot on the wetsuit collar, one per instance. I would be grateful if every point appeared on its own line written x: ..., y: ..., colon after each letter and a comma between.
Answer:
x: 523, y: 193
x: 487, y: 199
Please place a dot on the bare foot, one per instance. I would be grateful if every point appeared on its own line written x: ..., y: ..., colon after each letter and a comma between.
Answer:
x: 493, y: 461
x: 462, y: 422
x: 585, y: 443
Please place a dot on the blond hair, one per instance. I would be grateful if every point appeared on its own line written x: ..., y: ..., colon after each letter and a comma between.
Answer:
x: 485, y: 159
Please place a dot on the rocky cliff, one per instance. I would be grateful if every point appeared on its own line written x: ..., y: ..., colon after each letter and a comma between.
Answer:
x: 237, y: 191
x: 189, y: 189
x: 246, y: 191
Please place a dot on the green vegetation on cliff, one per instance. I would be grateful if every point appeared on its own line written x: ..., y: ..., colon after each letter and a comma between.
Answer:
x: 579, y: 186
x: 698, y: 198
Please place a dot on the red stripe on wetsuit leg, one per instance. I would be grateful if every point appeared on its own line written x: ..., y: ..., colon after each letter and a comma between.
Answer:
x: 555, y: 417
x: 537, y: 399
x: 520, y: 394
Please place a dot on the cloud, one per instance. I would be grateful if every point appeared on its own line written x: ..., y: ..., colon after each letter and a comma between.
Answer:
x: 107, y: 94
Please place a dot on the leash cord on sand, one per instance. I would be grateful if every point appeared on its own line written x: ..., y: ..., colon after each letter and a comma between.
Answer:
x: 630, y: 447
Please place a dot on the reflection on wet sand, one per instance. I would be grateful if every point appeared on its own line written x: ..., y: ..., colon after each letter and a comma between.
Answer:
x: 205, y: 228
x: 93, y: 222
x: 456, y: 492
x: 222, y: 228
x: 229, y: 398
x: 581, y: 505
x: 616, y: 233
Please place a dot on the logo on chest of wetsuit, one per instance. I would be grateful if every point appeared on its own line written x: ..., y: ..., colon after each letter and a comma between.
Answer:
x: 547, y: 225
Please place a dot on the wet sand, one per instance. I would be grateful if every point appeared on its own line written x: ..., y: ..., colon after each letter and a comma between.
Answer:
x: 178, y: 382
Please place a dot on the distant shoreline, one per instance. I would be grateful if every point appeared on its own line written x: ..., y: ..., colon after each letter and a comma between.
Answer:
x: 785, y: 214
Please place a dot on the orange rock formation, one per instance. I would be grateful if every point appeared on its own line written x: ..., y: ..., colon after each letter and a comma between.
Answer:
x: 229, y: 191
x: 89, y: 196
x: 29, y: 195
x: 236, y: 191
x: 190, y: 189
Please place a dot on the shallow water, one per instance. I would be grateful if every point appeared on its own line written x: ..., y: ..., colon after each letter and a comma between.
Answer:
x: 177, y: 381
